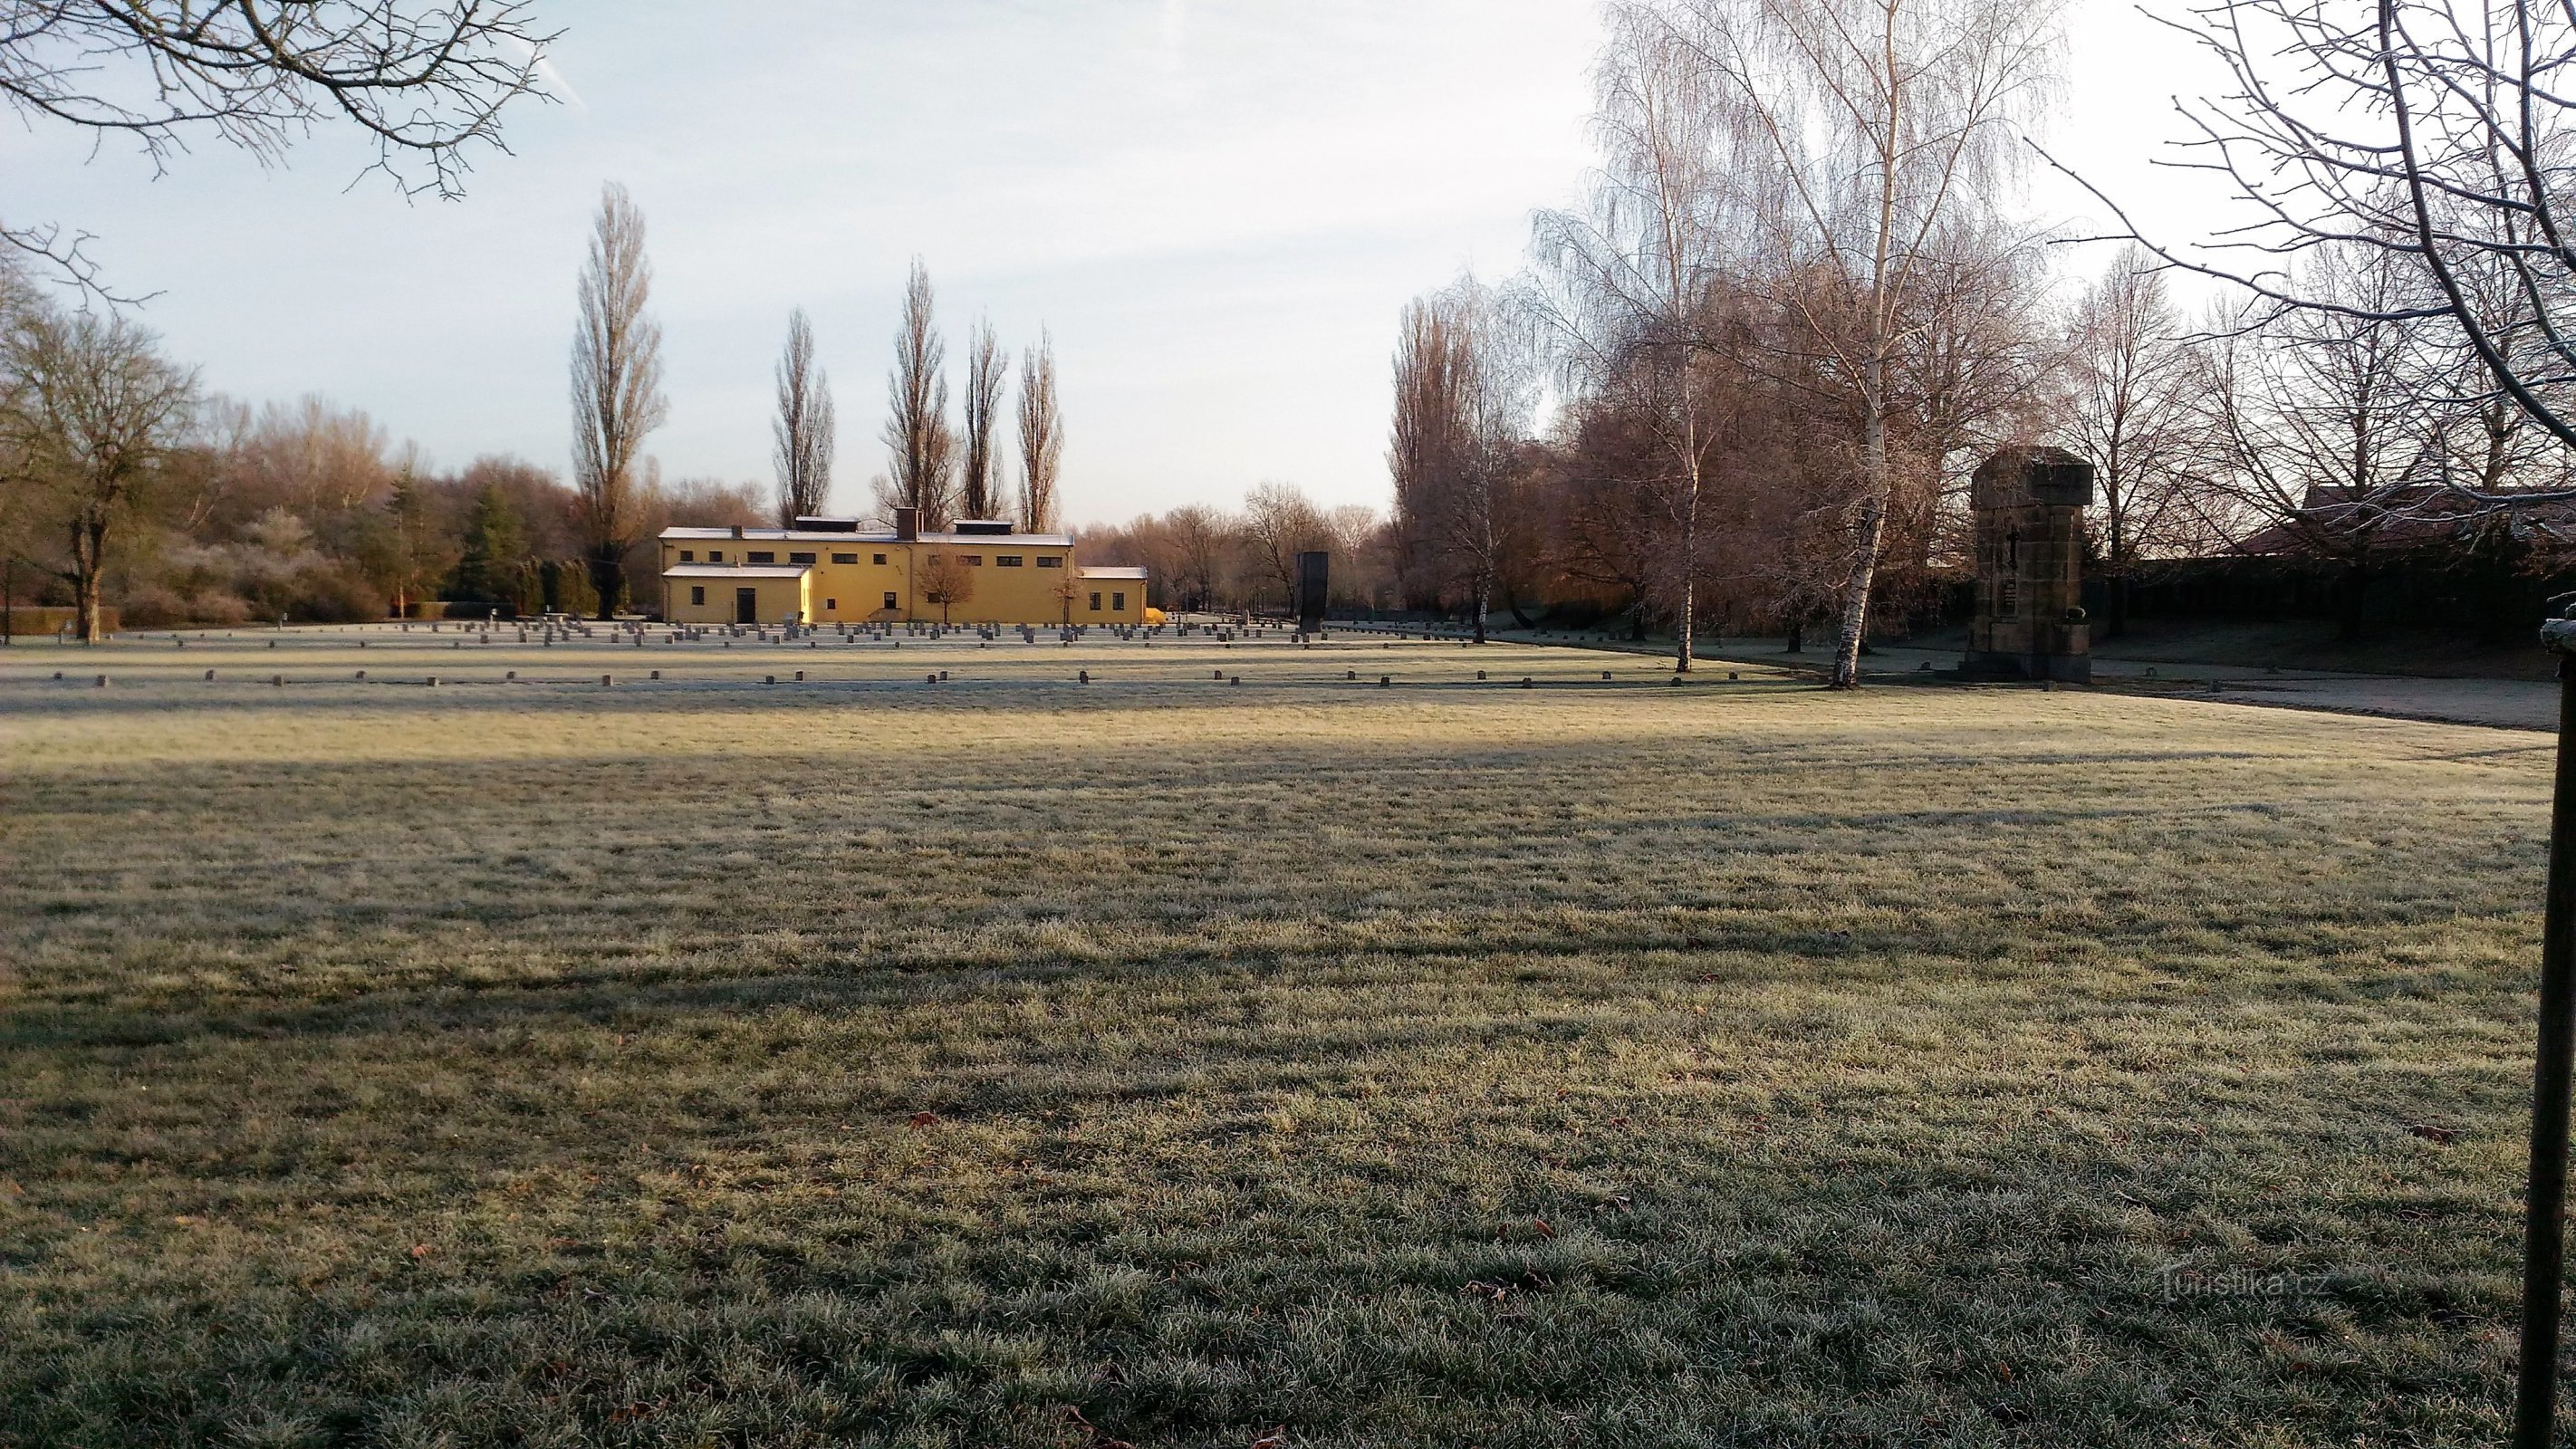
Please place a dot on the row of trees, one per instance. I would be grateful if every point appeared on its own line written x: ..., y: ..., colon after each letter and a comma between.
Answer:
x: 948, y: 474
x: 122, y: 480
x: 1794, y: 311
x: 1201, y: 557
x: 934, y: 467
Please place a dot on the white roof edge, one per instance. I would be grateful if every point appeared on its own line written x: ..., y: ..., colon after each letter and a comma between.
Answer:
x: 737, y: 571
x: 791, y: 535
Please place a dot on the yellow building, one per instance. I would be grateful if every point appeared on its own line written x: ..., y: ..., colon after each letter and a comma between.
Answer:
x: 825, y: 570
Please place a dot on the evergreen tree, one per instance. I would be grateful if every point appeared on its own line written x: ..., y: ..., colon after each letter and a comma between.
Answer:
x: 495, y: 543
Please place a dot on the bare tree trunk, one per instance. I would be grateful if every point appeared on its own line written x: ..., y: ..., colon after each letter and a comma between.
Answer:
x: 1688, y: 621
x: 89, y: 550
x: 1871, y: 533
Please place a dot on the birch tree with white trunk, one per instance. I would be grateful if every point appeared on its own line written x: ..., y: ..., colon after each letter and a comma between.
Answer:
x: 1853, y: 133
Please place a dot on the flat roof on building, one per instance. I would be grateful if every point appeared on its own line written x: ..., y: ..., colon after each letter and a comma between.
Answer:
x: 796, y: 535
x: 737, y: 571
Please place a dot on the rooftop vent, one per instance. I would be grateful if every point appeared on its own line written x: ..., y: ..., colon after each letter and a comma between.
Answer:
x: 983, y: 525
x: 827, y: 525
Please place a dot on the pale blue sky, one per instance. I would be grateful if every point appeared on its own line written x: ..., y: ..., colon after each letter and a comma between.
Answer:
x: 1218, y: 208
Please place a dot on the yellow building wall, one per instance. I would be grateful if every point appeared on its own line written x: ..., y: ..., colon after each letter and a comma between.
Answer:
x: 1110, y: 601
x: 854, y: 591
x: 780, y: 599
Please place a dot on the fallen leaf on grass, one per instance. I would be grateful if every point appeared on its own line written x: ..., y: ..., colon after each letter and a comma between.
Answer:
x: 925, y: 1119
x: 1544, y: 1230
x: 1275, y: 1439
x: 420, y: 1250
x: 2433, y: 1131
x: 1097, y: 1437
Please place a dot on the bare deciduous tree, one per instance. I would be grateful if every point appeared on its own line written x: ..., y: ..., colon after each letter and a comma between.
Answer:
x: 89, y: 412
x: 1632, y: 279
x: 616, y: 388
x: 2319, y: 435
x: 917, y: 431
x: 2134, y: 384
x: 1041, y: 437
x: 2425, y: 136
x: 1200, y: 542
x: 946, y: 579
x: 1857, y: 131
x: 802, y: 434
x: 1461, y: 407
x: 979, y: 492
x: 1280, y: 522
x: 425, y: 79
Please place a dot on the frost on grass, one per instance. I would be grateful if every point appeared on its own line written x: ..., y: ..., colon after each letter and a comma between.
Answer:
x: 1001, y: 1065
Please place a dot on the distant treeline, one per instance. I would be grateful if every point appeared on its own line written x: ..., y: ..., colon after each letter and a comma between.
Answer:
x: 312, y: 512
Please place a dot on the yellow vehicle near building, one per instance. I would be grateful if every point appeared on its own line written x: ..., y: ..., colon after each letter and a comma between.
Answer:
x: 826, y: 570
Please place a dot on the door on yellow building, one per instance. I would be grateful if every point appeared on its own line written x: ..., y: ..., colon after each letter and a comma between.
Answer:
x: 746, y: 606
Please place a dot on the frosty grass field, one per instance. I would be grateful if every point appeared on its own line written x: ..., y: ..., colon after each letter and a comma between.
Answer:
x: 1165, y: 1060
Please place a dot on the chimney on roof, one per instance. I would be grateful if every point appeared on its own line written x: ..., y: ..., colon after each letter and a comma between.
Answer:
x: 737, y: 530
x: 907, y: 524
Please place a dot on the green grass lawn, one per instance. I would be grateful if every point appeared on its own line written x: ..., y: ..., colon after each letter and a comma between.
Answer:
x: 1013, y: 1062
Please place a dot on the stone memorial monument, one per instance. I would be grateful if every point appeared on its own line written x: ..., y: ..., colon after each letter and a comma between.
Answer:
x: 1314, y: 584
x: 2029, y: 505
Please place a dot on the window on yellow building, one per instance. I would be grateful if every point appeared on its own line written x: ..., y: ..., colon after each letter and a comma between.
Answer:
x: 803, y: 558
x: 831, y: 603
x: 688, y: 555
x: 880, y: 558
x: 1118, y: 602
x: 973, y: 560
x: 715, y: 555
x: 845, y: 558
x: 890, y: 603
x: 1009, y: 560
x: 1095, y: 603
x: 697, y: 593
x: 762, y: 555
x: 1049, y: 561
